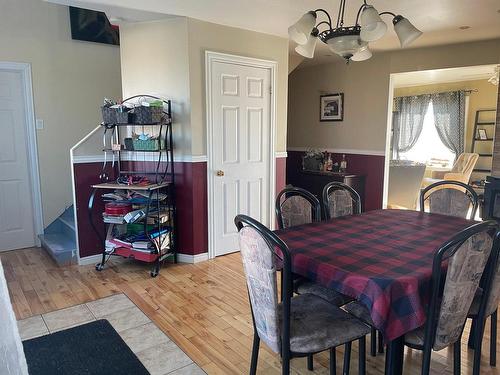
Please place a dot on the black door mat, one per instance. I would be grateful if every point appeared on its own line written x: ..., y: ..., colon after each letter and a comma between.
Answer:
x: 91, y: 349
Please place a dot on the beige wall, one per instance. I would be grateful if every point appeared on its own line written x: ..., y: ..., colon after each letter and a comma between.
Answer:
x: 484, y: 98
x: 205, y: 36
x: 70, y: 79
x: 172, y: 65
x: 154, y: 60
x: 366, y: 88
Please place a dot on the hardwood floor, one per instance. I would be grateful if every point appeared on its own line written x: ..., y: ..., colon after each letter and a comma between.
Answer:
x: 202, y: 307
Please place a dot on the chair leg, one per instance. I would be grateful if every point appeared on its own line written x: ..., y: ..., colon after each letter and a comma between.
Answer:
x: 333, y: 362
x: 478, y: 339
x: 255, y: 354
x: 470, y: 342
x: 347, y: 358
x: 457, y: 363
x: 493, y: 339
x: 285, y: 366
x: 380, y: 342
x: 310, y: 362
x: 426, y: 361
x: 373, y: 342
x: 362, y: 356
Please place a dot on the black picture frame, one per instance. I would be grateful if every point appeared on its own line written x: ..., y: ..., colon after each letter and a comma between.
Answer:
x: 331, y: 107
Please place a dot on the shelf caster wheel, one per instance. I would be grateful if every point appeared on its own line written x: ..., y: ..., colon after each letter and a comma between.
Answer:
x: 99, y: 267
x: 154, y: 273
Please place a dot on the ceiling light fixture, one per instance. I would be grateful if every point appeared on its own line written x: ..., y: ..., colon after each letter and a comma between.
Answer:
x: 350, y: 42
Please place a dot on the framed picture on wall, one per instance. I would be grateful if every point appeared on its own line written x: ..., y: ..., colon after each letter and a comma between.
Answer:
x: 482, y: 134
x: 331, y: 107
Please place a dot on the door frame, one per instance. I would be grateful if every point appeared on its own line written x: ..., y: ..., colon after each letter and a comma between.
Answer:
x: 31, y: 143
x: 210, y: 58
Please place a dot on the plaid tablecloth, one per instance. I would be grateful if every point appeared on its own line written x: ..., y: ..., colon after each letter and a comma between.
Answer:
x: 382, y: 258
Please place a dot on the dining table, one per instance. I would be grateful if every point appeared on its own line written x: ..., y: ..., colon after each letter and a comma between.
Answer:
x: 381, y: 258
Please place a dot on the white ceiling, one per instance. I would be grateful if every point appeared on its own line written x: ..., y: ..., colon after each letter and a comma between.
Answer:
x: 438, y: 19
x: 427, y: 77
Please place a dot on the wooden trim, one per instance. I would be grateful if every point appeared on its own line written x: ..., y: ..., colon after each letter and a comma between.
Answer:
x: 187, y: 258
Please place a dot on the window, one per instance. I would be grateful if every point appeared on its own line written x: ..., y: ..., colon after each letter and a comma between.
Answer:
x: 429, y: 149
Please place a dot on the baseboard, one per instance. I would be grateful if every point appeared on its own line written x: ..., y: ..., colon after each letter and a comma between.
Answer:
x: 188, y: 258
x: 92, y: 259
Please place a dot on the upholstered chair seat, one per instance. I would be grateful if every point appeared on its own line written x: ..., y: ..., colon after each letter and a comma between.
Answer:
x: 316, y: 325
x: 304, y: 286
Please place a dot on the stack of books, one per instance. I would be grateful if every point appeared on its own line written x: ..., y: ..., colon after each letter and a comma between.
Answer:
x: 139, y: 242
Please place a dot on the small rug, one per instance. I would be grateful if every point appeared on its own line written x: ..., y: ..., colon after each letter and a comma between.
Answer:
x: 91, y: 349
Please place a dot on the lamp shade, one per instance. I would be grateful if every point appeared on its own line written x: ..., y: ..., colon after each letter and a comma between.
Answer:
x: 362, y: 55
x: 405, y: 31
x: 372, y: 26
x: 299, y: 32
x: 307, y: 50
x: 346, y: 45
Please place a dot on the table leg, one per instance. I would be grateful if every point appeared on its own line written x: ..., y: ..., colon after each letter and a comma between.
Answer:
x: 394, y: 357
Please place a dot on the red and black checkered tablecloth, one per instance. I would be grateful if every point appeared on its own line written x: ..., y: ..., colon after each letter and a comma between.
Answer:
x: 382, y: 258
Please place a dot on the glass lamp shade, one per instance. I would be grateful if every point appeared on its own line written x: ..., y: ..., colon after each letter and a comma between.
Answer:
x: 405, y: 31
x: 299, y: 32
x: 307, y: 50
x: 372, y: 26
x: 363, y: 54
x: 346, y: 45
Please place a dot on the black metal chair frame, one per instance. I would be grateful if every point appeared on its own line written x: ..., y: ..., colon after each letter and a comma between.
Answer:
x: 447, y: 250
x: 477, y: 332
x: 274, y: 242
x: 294, y: 191
x: 332, y: 186
x: 469, y: 192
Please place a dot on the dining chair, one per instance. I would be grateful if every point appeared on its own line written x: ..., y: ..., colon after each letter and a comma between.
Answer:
x: 298, y: 325
x: 452, y: 198
x: 339, y: 200
x: 489, y: 292
x: 297, y: 206
x: 465, y: 257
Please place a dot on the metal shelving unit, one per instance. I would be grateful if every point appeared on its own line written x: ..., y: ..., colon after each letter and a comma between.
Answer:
x: 158, y: 195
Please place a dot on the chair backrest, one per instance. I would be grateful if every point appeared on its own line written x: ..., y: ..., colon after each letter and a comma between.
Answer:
x: 296, y: 206
x: 464, y: 257
x: 491, y: 289
x: 340, y: 200
x: 260, y: 248
x: 452, y: 198
x: 465, y: 163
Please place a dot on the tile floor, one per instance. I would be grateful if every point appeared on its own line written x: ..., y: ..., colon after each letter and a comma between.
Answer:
x: 156, y: 351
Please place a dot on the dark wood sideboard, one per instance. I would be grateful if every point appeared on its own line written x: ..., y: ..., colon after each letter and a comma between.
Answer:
x: 314, y: 181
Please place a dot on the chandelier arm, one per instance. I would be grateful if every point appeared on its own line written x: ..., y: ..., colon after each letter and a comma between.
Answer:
x: 392, y: 14
x: 327, y: 15
x: 323, y: 22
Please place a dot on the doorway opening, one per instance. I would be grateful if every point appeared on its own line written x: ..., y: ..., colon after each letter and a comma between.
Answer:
x: 439, y: 117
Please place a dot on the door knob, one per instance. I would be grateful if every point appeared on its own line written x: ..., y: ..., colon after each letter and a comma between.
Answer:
x: 220, y: 173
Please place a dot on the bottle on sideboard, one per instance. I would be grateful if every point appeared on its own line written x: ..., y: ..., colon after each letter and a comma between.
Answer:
x: 343, y: 164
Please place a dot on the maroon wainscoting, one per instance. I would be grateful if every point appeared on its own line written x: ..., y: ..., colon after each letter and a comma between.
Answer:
x: 372, y: 166
x: 191, y: 198
x: 86, y: 175
x: 280, y: 174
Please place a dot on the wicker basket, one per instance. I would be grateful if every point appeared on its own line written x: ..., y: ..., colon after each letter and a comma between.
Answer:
x: 147, y: 115
x: 146, y: 145
x: 108, y: 115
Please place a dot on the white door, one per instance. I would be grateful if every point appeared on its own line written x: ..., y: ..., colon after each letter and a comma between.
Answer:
x: 16, y: 206
x: 241, y: 136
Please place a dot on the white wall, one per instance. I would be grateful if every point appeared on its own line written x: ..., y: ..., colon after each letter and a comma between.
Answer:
x: 154, y: 60
x: 70, y: 79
